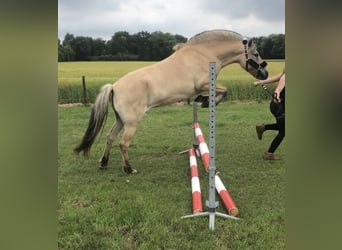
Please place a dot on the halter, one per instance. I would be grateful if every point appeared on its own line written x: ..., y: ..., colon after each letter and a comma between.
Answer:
x: 249, y: 61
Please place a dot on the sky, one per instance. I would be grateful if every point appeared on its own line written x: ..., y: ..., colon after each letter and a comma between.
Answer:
x: 102, y: 18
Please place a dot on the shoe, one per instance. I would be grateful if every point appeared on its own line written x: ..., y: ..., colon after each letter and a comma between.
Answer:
x: 270, y: 156
x: 260, y: 130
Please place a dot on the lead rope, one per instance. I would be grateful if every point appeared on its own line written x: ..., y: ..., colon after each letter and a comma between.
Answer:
x: 274, y: 95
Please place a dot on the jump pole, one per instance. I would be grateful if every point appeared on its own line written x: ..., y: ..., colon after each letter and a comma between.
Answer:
x: 195, y: 183
x: 225, y: 197
x: 211, y: 203
x: 202, y: 145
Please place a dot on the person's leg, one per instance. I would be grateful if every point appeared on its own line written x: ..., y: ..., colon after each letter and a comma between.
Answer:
x: 273, y: 126
x: 260, y: 129
x: 269, y: 155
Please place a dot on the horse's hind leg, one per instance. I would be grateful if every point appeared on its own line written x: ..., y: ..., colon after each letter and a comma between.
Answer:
x: 115, y: 130
x: 124, y: 145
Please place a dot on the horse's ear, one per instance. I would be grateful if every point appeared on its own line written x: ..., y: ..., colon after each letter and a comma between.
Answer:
x: 250, y: 42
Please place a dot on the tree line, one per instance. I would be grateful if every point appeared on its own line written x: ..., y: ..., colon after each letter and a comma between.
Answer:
x: 145, y: 46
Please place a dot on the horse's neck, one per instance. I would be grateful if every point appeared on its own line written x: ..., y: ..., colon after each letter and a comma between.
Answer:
x: 227, y: 53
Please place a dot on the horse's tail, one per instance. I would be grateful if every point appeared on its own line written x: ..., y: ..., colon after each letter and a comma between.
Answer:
x: 97, y: 119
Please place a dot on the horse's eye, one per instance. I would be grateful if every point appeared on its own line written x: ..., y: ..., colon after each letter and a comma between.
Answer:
x: 256, y: 54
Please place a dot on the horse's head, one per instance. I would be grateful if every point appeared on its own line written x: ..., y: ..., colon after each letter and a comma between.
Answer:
x: 254, y: 64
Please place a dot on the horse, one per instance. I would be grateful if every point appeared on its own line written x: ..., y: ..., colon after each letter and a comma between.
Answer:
x: 182, y: 75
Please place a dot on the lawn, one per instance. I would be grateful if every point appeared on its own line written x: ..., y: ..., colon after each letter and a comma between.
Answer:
x: 107, y: 209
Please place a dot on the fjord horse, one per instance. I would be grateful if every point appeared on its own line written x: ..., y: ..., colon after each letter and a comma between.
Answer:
x: 180, y: 76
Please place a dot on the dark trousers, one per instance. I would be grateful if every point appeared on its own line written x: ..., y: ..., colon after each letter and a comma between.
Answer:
x: 278, y: 110
x: 279, y: 126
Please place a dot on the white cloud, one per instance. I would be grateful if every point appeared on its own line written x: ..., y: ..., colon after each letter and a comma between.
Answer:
x: 103, y: 18
x: 252, y: 26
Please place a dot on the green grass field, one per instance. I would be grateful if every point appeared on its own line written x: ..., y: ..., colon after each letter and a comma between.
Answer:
x: 238, y: 81
x: 107, y: 209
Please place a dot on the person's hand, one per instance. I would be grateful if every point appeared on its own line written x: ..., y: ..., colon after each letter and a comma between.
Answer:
x: 276, y: 97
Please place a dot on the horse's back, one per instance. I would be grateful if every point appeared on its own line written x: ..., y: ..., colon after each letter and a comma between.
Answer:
x: 176, y: 78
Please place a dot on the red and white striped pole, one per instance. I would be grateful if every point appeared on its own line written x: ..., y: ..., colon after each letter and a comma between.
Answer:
x: 225, y: 197
x: 195, y: 184
x: 203, y: 147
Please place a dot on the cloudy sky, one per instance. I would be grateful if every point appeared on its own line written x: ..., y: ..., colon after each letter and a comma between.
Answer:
x: 102, y: 18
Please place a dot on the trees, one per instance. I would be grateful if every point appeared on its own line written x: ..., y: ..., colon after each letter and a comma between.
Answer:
x: 141, y: 45
x: 98, y: 47
x: 145, y: 46
x: 65, y: 51
x: 271, y: 47
x: 118, y: 45
x: 161, y: 45
x: 82, y: 48
x: 278, y: 49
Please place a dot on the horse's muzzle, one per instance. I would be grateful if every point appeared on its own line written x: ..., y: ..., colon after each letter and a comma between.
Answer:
x: 262, y: 73
x: 261, y: 68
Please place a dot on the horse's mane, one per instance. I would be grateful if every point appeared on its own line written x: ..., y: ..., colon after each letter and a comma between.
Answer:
x: 210, y: 35
x: 215, y: 35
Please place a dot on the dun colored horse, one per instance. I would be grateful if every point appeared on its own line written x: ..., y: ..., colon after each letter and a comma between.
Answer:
x: 180, y: 76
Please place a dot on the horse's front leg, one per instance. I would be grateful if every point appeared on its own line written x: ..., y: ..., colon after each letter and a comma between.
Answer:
x: 221, y: 92
x: 126, y: 139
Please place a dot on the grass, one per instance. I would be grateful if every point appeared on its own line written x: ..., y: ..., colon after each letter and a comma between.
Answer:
x: 106, y: 209
x: 70, y: 74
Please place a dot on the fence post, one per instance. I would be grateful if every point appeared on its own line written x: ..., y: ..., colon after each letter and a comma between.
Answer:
x: 84, y: 91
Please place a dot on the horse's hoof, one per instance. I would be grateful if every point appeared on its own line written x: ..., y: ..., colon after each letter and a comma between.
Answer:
x: 129, y: 170
x: 132, y: 171
x: 205, y: 104
x: 199, y: 98
x: 103, y: 163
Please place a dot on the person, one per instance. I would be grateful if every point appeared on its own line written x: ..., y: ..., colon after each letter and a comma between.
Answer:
x: 277, y: 108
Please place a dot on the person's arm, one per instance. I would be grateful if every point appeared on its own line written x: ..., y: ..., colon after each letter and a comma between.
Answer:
x: 269, y: 80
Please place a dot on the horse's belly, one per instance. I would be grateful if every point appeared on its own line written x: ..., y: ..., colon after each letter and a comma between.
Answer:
x: 167, y: 100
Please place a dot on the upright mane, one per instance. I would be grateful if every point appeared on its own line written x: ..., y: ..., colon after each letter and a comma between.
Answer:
x: 214, y: 35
